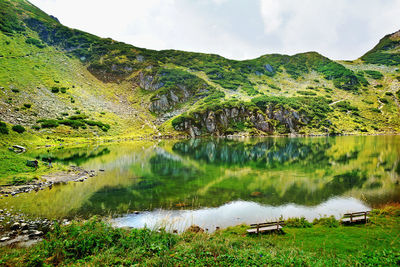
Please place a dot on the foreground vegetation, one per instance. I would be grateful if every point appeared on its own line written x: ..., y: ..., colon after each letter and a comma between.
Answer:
x: 324, y: 243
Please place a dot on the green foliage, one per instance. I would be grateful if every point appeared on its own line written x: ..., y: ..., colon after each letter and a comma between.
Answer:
x: 35, y: 42
x: 361, y: 78
x: 84, y: 241
x: 3, y: 128
x: 383, y: 100
x: 342, y: 77
x: 26, y: 105
x: 15, y: 90
x: 250, y: 90
x: 309, y: 106
x: 302, y: 92
x: 377, y: 110
x: 104, y: 127
x: 75, y: 124
x: 19, y: 180
x: 75, y: 121
x: 96, y: 243
x: 398, y: 94
x: 345, y: 106
x: 215, y: 97
x: 176, y: 122
x: 273, y: 86
x: 55, y: 90
x: 327, y: 222
x: 78, y: 117
x: 380, y: 54
x: 18, y: 128
x: 374, y: 74
x: 298, y: 223
x: 9, y: 22
x: 48, y: 123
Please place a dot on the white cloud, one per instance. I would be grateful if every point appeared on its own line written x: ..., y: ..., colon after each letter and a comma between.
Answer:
x: 271, y: 11
x: 339, y: 29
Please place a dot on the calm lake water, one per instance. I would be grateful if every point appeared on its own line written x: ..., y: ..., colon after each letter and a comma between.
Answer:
x: 221, y: 182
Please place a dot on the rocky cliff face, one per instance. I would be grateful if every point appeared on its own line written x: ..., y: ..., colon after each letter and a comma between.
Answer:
x: 149, y: 82
x: 168, y: 100
x: 221, y: 122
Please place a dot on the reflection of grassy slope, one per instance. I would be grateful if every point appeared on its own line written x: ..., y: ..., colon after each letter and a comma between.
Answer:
x: 139, y: 178
x: 306, y: 183
x: 65, y: 199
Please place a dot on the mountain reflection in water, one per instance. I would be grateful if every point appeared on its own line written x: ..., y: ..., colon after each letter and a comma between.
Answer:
x: 208, y: 173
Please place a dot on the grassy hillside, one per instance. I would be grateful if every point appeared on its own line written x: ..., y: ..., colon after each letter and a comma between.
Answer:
x: 63, y: 83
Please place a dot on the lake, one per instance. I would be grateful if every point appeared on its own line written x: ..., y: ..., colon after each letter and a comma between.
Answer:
x: 221, y: 182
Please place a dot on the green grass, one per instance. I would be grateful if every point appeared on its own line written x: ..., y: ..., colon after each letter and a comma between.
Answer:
x: 13, y: 168
x: 97, y: 243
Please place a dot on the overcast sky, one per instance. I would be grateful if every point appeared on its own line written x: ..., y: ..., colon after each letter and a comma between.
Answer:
x: 237, y: 29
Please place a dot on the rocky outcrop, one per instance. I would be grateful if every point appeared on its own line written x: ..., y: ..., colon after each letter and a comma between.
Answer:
x: 149, y: 82
x: 168, y: 99
x: 221, y: 122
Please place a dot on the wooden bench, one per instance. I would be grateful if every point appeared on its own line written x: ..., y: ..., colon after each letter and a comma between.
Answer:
x: 355, y: 217
x: 265, y: 227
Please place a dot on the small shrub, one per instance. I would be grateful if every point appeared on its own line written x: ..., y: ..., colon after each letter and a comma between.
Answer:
x: 3, y: 128
x: 36, y: 127
x: 301, y: 92
x: 35, y: 42
x: 55, y: 90
x: 63, y: 90
x: 78, y: 117
x: 384, y: 100
x: 49, y: 123
x: 28, y: 105
x: 72, y: 123
x: 15, y: 90
x: 326, y: 221
x: 374, y: 74
x: 391, y: 209
x: 18, y: 181
x: 298, y: 223
x: 104, y: 127
x: 18, y: 128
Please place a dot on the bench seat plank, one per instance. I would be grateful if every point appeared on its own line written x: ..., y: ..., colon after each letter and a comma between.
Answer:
x: 264, y: 229
x: 357, y: 218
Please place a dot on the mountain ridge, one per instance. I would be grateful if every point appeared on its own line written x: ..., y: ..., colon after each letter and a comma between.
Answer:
x: 169, y: 92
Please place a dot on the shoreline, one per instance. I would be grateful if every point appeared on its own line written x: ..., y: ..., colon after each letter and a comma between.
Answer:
x: 73, y: 174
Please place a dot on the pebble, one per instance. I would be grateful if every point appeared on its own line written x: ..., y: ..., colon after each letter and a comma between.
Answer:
x: 4, y: 239
x: 15, y: 226
x: 35, y: 233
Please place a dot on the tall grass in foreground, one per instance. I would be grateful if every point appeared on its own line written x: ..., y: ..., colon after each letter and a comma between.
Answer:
x: 95, y: 242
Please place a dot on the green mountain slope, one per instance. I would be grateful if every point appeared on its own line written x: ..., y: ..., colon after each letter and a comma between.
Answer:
x: 65, y: 82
